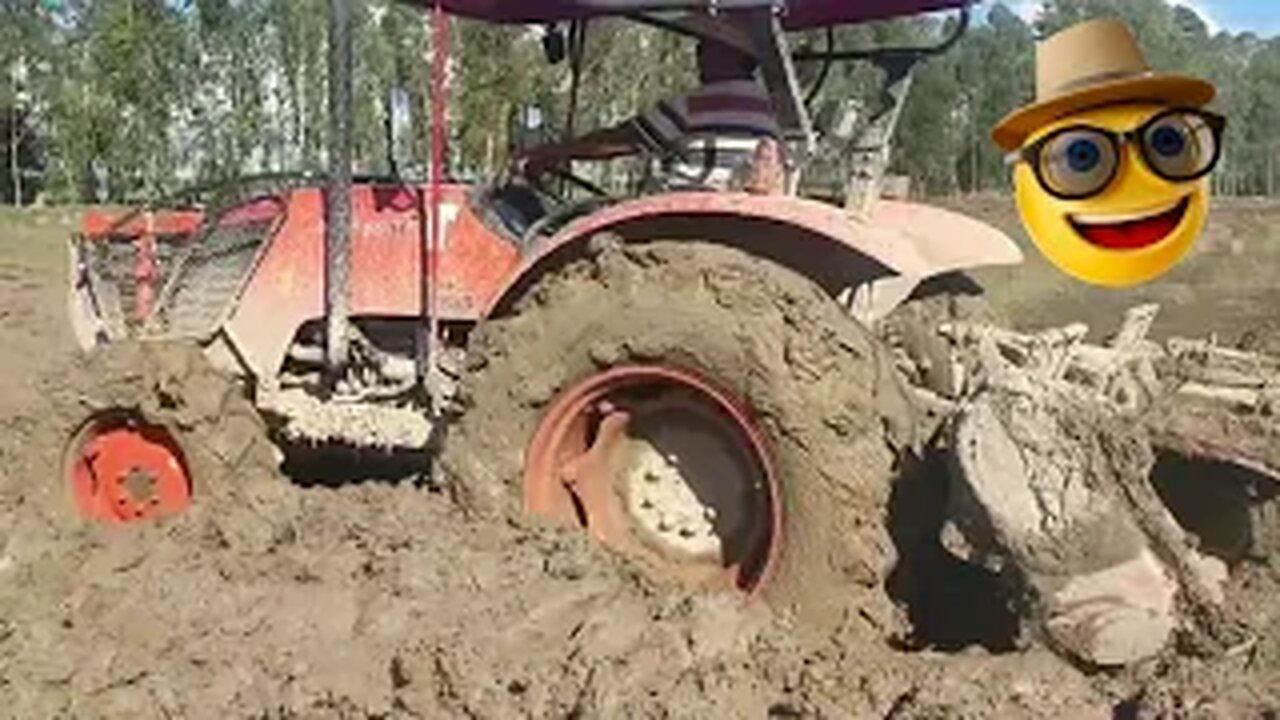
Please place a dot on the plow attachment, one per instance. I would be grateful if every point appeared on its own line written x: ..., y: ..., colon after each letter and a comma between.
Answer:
x: 1054, y: 445
x: 1194, y: 397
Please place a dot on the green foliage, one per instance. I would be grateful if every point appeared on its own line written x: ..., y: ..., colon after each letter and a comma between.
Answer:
x: 958, y: 98
x: 496, y: 70
x: 126, y: 99
x: 24, y: 56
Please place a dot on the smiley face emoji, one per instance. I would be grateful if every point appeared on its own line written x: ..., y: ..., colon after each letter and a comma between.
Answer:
x: 1117, y: 195
x: 1111, y: 161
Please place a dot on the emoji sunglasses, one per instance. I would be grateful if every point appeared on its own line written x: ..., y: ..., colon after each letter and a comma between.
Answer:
x: 1079, y: 161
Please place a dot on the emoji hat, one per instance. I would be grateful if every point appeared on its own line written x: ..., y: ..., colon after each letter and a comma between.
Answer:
x: 1096, y: 62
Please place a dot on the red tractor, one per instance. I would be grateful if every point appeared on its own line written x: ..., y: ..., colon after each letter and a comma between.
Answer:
x: 696, y: 378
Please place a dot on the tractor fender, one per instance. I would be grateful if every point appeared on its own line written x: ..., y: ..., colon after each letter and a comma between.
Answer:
x: 910, y: 240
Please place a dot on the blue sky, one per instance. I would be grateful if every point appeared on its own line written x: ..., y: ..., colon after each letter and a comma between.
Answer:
x: 1258, y: 16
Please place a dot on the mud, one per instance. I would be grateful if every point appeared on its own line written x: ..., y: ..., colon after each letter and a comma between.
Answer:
x: 381, y: 599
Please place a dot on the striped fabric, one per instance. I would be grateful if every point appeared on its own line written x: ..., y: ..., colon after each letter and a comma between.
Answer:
x: 704, y: 138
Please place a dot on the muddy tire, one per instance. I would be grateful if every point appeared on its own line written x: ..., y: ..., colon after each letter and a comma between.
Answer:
x: 912, y: 326
x: 831, y: 410
x: 221, y: 438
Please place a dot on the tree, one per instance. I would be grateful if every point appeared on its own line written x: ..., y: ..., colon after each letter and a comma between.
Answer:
x: 137, y: 55
x: 120, y: 99
x: 24, y: 58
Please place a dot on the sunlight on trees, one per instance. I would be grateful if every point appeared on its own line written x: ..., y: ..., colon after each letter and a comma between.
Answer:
x: 122, y: 100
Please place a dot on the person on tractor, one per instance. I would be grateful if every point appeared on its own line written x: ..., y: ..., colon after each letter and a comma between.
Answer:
x: 703, y: 139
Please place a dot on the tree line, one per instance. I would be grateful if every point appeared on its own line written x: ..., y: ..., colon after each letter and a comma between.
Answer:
x: 125, y: 100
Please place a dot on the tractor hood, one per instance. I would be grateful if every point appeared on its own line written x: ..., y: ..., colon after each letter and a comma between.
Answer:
x: 796, y: 14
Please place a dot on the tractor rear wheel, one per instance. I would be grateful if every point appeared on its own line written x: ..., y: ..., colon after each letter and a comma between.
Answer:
x: 712, y: 416
x: 152, y: 428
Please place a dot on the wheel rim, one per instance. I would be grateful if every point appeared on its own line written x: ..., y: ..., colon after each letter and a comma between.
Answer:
x: 124, y: 470
x: 661, y: 466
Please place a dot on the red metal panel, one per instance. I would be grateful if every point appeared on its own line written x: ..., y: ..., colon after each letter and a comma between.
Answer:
x: 287, y: 287
x: 908, y: 238
x: 386, y: 251
x: 95, y: 224
x: 942, y: 239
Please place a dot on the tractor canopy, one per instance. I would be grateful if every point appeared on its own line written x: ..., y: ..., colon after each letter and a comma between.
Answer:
x: 769, y: 20
x: 794, y: 14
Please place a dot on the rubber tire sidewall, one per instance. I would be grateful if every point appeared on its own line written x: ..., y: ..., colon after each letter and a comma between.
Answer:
x: 820, y: 388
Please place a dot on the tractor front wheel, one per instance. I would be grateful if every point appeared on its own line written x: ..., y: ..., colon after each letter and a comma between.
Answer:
x: 153, y: 428
x: 708, y: 414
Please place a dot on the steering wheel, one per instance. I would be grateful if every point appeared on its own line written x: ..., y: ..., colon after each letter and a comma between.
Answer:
x: 568, y: 176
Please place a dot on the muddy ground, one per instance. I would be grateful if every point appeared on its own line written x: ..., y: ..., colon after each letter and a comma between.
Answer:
x: 274, y: 600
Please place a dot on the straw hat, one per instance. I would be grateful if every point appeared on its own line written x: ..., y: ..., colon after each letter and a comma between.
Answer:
x: 1093, y: 63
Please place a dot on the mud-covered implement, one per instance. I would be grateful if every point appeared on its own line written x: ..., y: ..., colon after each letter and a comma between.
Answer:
x: 1055, y: 443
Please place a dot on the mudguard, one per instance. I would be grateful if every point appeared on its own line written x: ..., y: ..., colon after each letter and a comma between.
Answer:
x: 910, y: 241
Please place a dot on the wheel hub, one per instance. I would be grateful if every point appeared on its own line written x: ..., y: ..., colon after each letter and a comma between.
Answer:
x: 661, y: 502
x: 122, y: 469
x: 657, y: 464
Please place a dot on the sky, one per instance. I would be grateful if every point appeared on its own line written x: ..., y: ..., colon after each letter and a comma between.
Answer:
x: 1261, y: 17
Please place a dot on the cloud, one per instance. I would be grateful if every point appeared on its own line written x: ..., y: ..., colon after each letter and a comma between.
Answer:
x: 1025, y: 9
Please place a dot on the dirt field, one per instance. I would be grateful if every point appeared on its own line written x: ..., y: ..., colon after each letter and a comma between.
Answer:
x: 380, y: 600
x: 1226, y: 285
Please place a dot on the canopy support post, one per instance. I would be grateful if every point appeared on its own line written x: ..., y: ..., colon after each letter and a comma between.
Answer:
x: 337, y: 245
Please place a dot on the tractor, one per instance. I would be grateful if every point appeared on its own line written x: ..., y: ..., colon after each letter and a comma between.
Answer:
x: 696, y: 378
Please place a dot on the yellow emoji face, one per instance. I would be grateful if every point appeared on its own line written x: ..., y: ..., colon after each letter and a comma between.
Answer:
x: 1117, y: 195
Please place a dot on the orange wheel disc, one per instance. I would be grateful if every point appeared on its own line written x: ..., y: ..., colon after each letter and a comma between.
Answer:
x: 659, y: 464
x: 123, y: 470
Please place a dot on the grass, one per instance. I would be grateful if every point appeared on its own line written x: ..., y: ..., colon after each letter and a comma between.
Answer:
x: 33, y: 238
